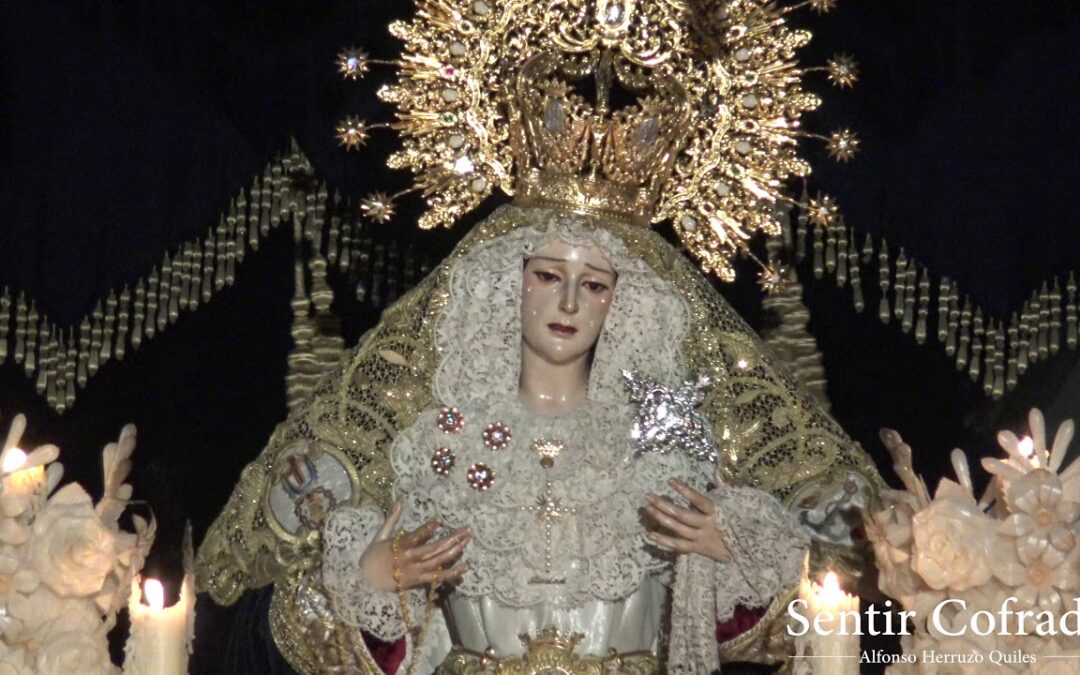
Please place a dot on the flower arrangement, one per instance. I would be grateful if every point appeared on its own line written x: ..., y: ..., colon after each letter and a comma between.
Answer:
x: 965, y: 566
x: 65, y: 564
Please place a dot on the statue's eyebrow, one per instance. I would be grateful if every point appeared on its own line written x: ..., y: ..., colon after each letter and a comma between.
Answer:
x: 563, y: 260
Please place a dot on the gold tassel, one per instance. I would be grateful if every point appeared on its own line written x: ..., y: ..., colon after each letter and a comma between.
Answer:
x: 175, y: 284
x: 194, y: 255
x: 345, y: 255
x: 219, y: 253
x: 900, y: 285
x: 185, y: 277
x: 868, y: 250
x: 140, y: 315
x: 1071, y: 334
x: 241, y: 226
x: 30, y: 360
x: 830, y: 247
x: 332, y: 241
x: 989, y: 358
x: 1033, y: 329
x: 965, y: 336
x: 277, y: 183
x: 801, y: 221
x: 123, y: 315
x: 978, y: 331
x: 954, y: 320
x: 20, y: 327
x: 819, y: 247
x: 1055, y: 317
x: 999, y: 362
x: 84, y: 352
x: 910, y: 285
x: 856, y: 275
x: 1044, y: 323
x: 883, y: 281
x: 164, y: 293
x: 1027, y: 339
x: 5, y: 323
x: 841, y: 256
x: 1013, y: 375
x: 943, y: 310
x: 924, y: 306
x: 107, y: 328
x: 42, y: 381
x: 69, y: 372
x: 255, y: 214
x: 230, y: 262
x: 95, y: 339
x: 208, y: 267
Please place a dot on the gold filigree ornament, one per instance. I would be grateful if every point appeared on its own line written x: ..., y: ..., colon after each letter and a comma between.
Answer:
x: 550, y: 653
x: 627, y: 110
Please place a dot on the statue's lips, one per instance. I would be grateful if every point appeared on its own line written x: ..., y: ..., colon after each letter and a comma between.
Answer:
x: 564, y: 331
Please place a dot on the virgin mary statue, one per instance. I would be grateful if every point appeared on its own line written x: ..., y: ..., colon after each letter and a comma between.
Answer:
x: 563, y: 451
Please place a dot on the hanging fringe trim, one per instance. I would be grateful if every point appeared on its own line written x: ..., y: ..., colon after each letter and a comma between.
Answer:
x: 62, y: 361
x: 992, y: 351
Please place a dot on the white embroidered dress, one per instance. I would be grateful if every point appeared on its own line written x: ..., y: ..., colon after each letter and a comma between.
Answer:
x: 561, y: 546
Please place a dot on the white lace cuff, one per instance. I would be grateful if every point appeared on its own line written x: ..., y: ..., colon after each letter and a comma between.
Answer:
x: 767, y: 546
x: 346, y: 536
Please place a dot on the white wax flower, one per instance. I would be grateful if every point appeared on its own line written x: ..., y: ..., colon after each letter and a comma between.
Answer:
x: 71, y: 550
x: 953, y: 545
x: 74, y: 652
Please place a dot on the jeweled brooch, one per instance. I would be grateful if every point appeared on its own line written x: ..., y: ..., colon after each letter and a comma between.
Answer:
x: 450, y: 420
x: 480, y: 477
x: 496, y: 436
x: 442, y: 461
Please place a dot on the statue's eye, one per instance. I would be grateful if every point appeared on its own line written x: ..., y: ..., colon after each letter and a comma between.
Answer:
x: 595, y: 286
x: 545, y: 276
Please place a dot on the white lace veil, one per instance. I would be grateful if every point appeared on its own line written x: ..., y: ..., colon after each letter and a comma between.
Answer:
x: 478, y: 335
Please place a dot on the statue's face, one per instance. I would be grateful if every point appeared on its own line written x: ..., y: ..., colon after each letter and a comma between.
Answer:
x: 565, y: 295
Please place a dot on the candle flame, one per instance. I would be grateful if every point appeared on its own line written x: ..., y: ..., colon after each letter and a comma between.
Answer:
x: 13, y: 460
x: 154, y: 593
x: 830, y: 588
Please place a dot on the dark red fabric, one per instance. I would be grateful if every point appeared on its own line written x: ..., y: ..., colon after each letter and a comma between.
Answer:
x: 388, y: 655
x: 741, y: 621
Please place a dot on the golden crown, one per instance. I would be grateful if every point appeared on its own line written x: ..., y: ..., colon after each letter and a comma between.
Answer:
x: 494, y: 95
x: 584, y: 157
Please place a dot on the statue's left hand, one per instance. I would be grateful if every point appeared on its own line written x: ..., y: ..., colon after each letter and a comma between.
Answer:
x: 689, y: 530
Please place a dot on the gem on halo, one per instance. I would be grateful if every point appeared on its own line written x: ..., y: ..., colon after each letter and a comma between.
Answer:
x: 496, y: 436
x: 450, y: 420
x: 442, y: 461
x: 480, y: 477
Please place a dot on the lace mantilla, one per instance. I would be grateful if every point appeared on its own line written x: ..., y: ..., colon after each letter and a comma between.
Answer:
x: 596, y: 543
x: 479, y: 333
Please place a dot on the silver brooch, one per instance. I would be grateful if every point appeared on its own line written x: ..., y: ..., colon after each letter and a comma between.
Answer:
x: 667, y: 419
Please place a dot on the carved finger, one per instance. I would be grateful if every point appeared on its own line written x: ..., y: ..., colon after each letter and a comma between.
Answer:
x: 390, y: 523
x: 443, y: 576
x: 432, y: 549
x: 420, y: 534
x: 684, y: 531
x: 670, y: 543
x: 444, y: 558
x: 696, y: 499
x: 694, y: 519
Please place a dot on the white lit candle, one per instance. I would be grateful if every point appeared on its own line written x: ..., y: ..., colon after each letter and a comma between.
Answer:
x: 832, y: 613
x: 160, y: 638
x: 19, y: 481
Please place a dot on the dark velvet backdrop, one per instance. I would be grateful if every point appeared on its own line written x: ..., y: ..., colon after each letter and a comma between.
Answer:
x: 126, y: 127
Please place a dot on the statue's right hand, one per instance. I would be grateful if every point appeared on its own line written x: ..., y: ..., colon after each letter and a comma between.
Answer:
x: 420, y: 561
